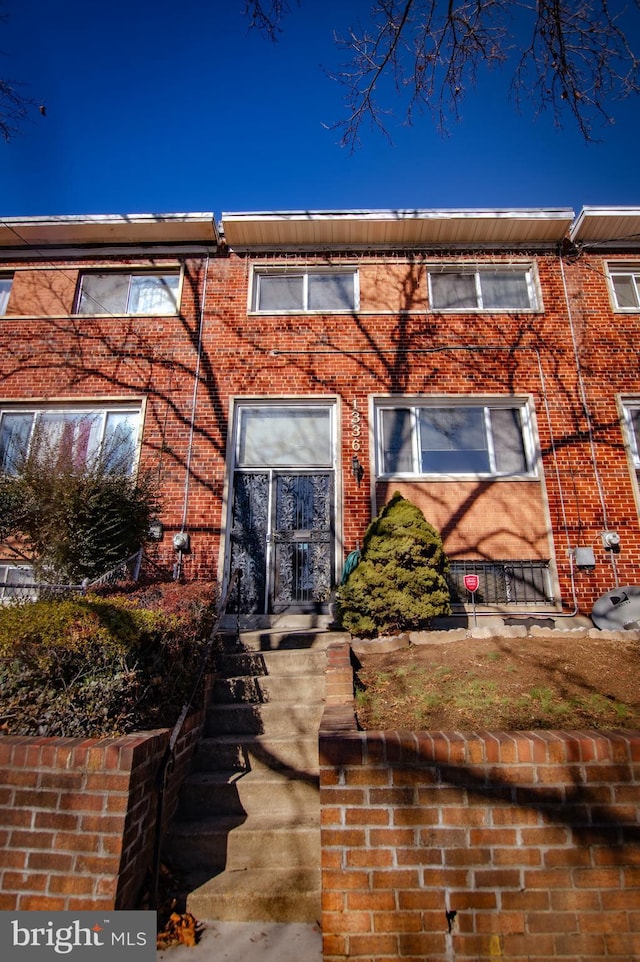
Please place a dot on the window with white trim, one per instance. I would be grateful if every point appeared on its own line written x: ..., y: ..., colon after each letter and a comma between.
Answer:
x: 304, y: 291
x: 631, y: 410
x: 482, y: 289
x: 625, y: 287
x: 78, y: 435
x: 116, y: 292
x: 454, y: 437
x: 6, y: 283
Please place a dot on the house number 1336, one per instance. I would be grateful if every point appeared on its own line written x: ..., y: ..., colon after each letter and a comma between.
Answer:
x: 355, y: 427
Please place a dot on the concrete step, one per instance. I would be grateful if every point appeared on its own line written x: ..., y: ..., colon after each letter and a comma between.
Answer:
x: 296, y: 755
x: 272, y: 718
x: 278, y: 639
x: 207, y: 794
x: 271, y: 895
x: 286, y: 662
x: 268, y: 688
x: 243, y: 842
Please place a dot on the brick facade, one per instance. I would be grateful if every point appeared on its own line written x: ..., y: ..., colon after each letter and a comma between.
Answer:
x: 572, y: 358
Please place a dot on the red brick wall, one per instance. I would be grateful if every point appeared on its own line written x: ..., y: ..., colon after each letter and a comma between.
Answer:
x: 393, y: 345
x: 78, y: 816
x: 531, y: 838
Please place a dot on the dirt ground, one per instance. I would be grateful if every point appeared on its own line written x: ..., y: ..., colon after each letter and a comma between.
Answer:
x: 514, y: 684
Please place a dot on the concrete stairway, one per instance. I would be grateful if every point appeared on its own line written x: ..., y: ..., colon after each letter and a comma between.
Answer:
x: 246, y: 837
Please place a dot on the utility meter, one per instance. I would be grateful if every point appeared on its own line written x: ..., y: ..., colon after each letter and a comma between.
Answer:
x: 181, y: 541
x: 611, y: 539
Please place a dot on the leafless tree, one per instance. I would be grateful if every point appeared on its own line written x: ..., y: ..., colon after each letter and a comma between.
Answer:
x: 566, y: 56
x: 14, y: 103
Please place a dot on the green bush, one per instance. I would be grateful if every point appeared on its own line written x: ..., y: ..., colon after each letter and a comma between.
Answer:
x: 70, y: 521
x: 97, y: 666
x: 399, y: 583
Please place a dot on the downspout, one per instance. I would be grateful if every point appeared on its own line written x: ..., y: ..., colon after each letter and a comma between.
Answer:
x: 180, y: 538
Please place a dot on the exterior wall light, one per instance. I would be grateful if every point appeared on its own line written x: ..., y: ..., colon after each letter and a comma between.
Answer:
x: 156, y: 530
x: 356, y: 469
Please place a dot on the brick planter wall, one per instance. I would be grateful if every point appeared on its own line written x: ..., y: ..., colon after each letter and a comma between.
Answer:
x: 532, y: 839
x: 78, y: 817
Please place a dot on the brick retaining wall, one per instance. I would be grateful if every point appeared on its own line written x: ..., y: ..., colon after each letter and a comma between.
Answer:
x: 532, y: 839
x: 78, y: 816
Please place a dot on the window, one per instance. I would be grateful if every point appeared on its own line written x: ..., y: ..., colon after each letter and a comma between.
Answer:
x: 16, y: 583
x: 284, y: 435
x: 5, y: 289
x: 500, y: 289
x: 626, y: 288
x: 117, y: 293
x: 295, y: 292
x: 74, y: 434
x: 454, y: 439
x: 631, y: 412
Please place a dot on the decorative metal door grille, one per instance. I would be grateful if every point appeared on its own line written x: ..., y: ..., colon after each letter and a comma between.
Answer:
x: 282, y: 539
x: 303, y: 540
x: 249, y: 528
x: 502, y: 582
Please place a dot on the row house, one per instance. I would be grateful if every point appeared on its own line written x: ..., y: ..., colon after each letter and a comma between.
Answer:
x: 281, y: 375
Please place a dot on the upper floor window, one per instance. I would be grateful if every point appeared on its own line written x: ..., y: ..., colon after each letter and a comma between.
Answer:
x: 114, y: 292
x: 6, y: 281
x: 77, y: 436
x: 491, y: 289
x: 625, y: 284
x: 454, y: 437
x: 297, y: 291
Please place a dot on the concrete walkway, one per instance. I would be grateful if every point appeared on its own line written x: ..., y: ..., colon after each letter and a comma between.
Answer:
x: 251, y: 942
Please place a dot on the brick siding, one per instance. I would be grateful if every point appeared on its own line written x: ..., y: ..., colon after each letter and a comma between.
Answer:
x: 393, y: 345
x: 530, y: 838
x: 78, y: 817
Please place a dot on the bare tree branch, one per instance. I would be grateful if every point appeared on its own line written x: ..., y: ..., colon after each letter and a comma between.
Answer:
x: 575, y: 56
x: 266, y: 16
x: 14, y: 104
x: 14, y: 108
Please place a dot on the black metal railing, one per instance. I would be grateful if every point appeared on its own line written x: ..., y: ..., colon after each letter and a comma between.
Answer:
x: 502, y: 582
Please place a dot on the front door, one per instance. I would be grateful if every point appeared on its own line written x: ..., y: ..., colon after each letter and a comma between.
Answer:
x: 282, y: 514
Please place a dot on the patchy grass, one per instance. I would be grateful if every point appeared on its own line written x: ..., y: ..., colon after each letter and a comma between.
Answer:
x: 560, y: 682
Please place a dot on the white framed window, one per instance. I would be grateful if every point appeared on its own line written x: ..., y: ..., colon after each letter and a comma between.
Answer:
x: 453, y: 437
x: 304, y: 291
x: 292, y: 435
x: 16, y: 583
x: 6, y: 283
x: 482, y: 289
x: 631, y: 412
x: 116, y: 292
x: 78, y: 435
x: 625, y: 286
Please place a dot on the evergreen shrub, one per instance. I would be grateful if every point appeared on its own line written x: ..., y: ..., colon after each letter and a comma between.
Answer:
x: 398, y: 584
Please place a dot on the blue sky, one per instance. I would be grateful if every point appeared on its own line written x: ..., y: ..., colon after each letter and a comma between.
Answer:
x: 163, y: 106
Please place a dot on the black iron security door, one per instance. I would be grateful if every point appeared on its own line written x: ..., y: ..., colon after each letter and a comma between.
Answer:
x: 282, y: 540
x: 302, y: 541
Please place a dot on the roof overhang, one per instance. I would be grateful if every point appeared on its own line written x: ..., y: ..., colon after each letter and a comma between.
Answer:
x: 395, y: 228
x: 108, y: 230
x: 607, y: 226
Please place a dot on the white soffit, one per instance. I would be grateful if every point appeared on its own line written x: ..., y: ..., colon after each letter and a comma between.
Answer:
x: 602, y: 225
x: 109, y: 229
x: 395, y: 228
